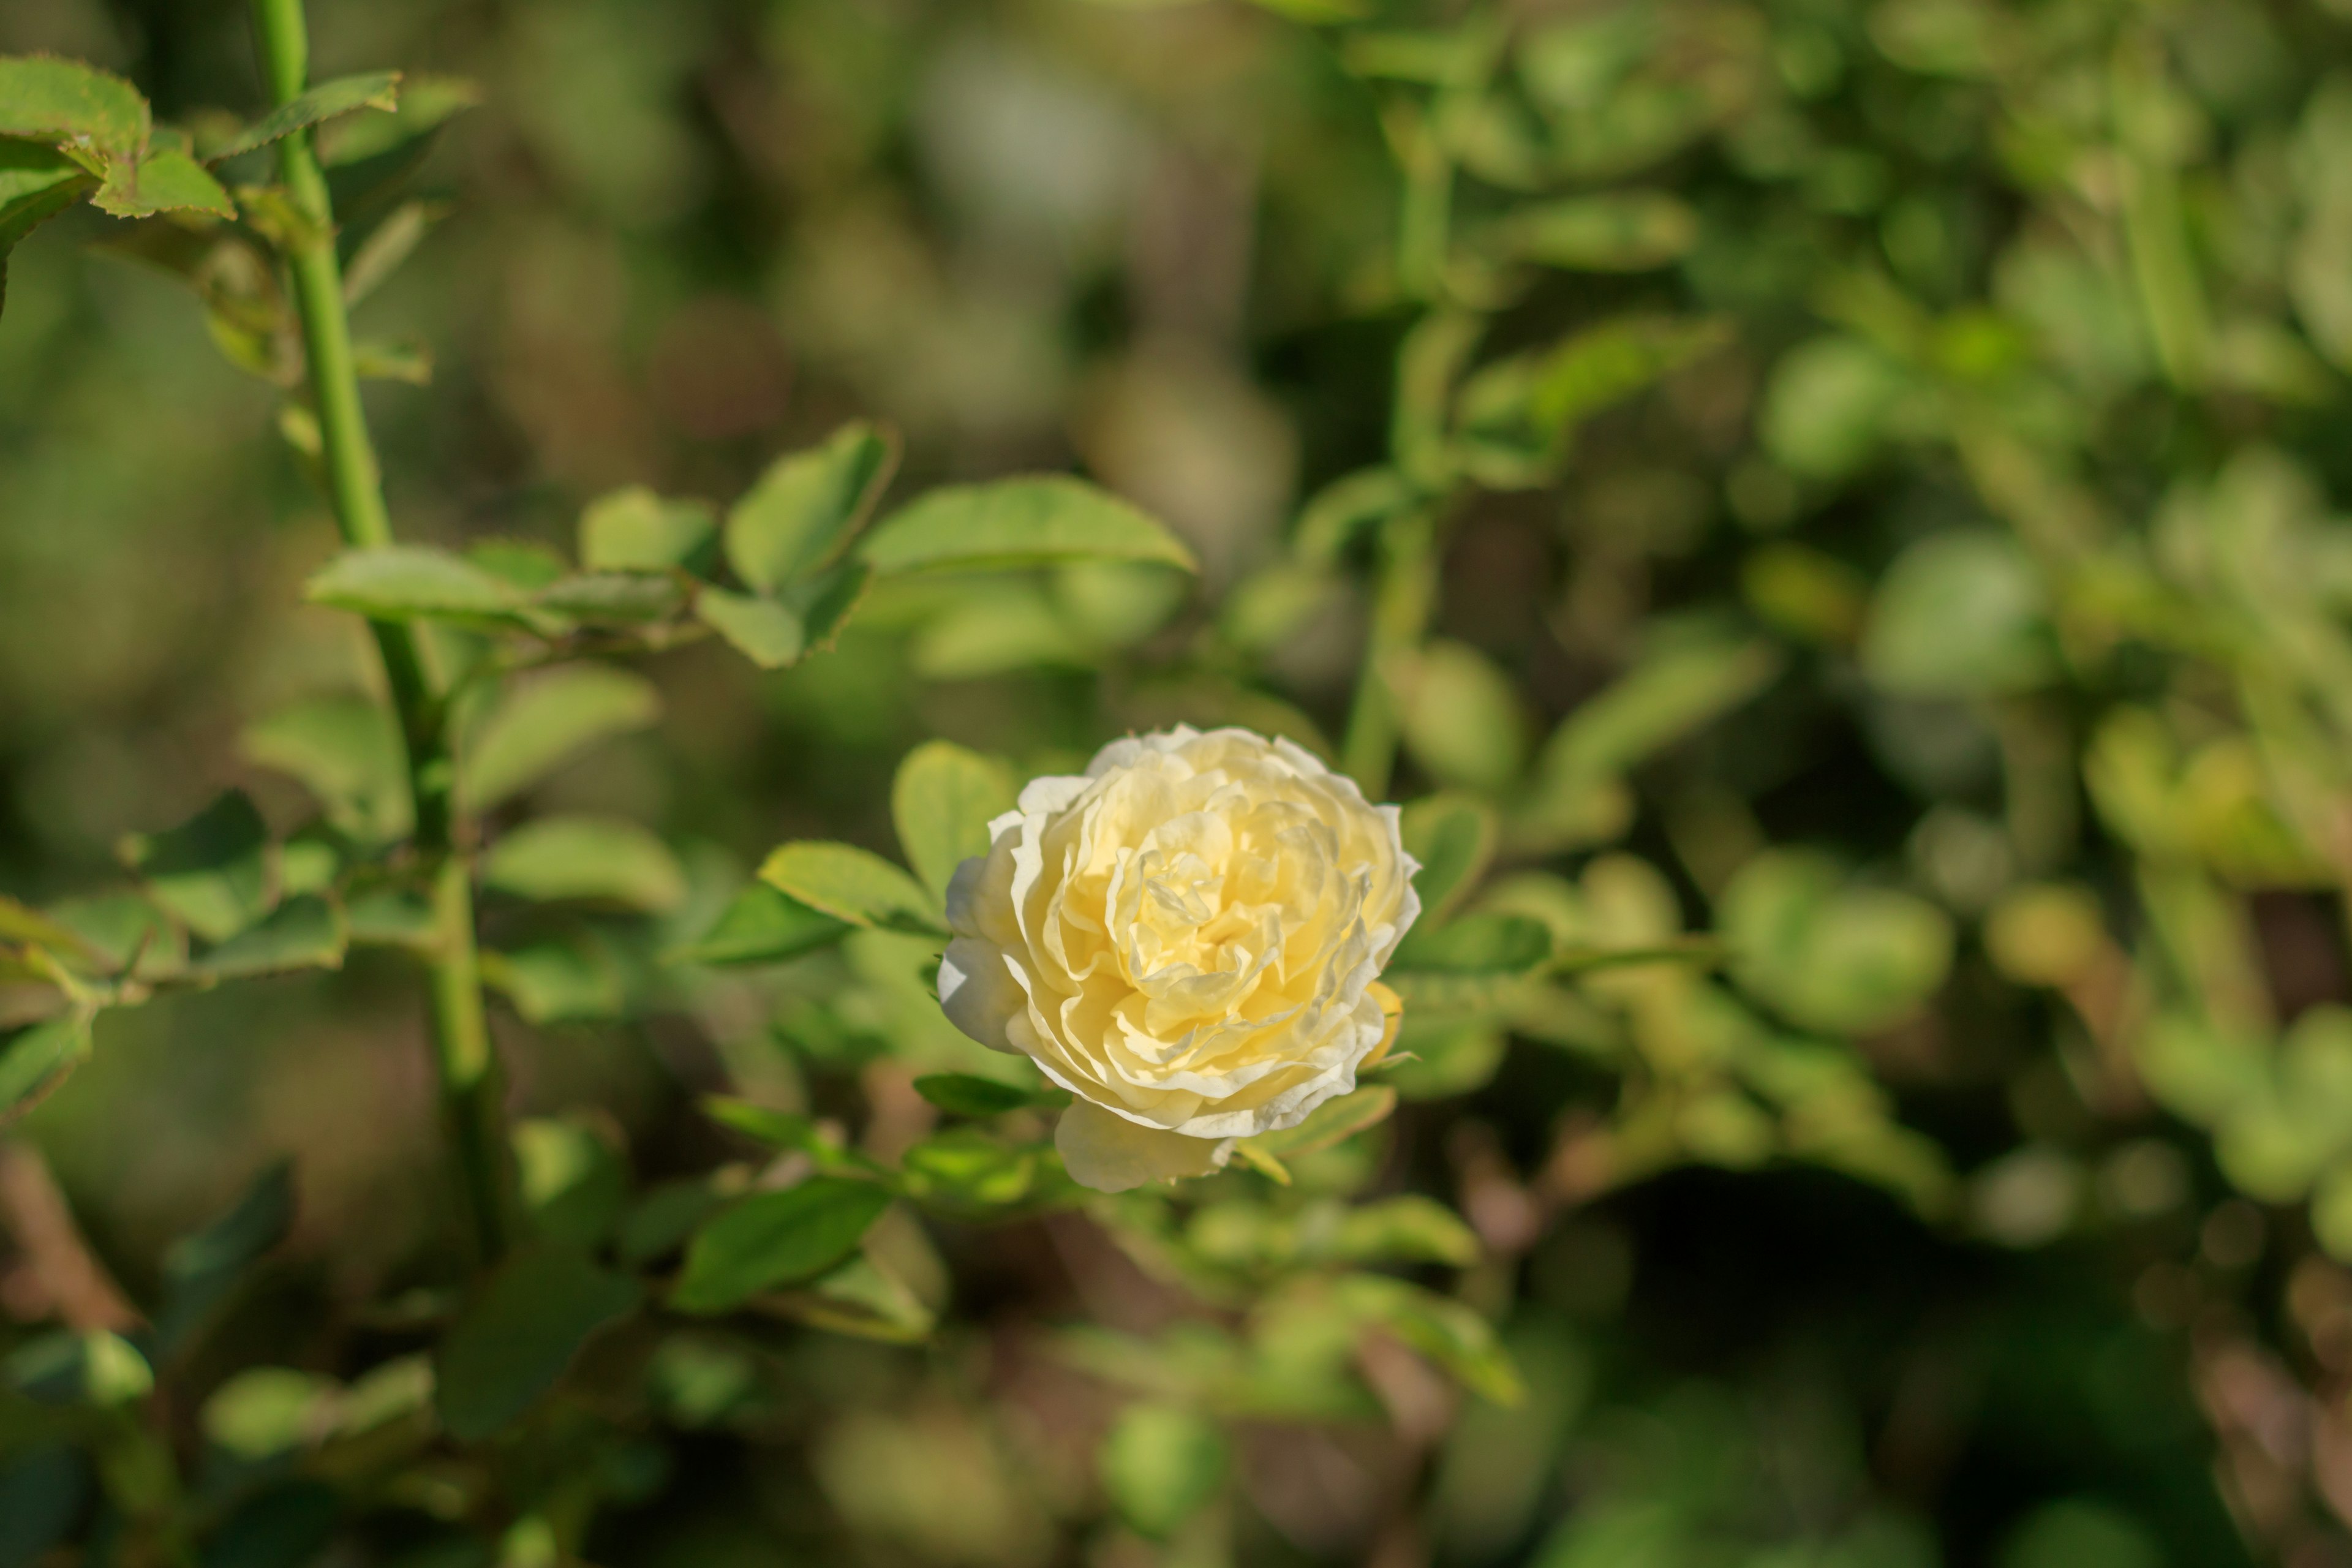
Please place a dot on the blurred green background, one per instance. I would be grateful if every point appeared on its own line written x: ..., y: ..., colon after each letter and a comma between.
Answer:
x: 2018, y: 445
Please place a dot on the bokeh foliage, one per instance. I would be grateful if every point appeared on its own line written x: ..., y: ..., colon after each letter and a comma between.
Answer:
x: 1828, y: 514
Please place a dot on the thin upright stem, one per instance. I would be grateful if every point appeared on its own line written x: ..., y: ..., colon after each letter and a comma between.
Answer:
x: 469, y: 1079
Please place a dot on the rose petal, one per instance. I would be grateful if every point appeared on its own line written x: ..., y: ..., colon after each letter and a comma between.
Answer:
x: 1110, y: 1153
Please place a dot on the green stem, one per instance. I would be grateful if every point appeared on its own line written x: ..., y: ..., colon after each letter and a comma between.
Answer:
x: 1403, y: 595
x: 470, y: 1088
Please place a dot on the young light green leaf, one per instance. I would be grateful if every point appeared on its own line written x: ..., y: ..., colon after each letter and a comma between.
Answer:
x: 768, y: 634
x: 1406, y: 1229
x: 46, y: 99
x: 1454, y: 837
x: 35, y: 1060
x: 594, y: 859
x: 307, y: 932
x: 515, y: 1341
x: 1018, y: 522
x: 853, y: 885
x: 344, y: 95
x: 1961, y: 613
x: 165, y: 179
x: 1839, y: 958
x: 1161, y: 1465
x: 426, y: 103
x: 762, y: 926
x: 770, y: 1239
x: 557, y: 981
x: 543, y: 722
x: 633, y: 529
x: 612, y: 598
x: 1462, y: 720
x: 942, y: 801
x: 803, y: 511
x: 212, y: 871
x: 346, y: 751
x: 406, y: 581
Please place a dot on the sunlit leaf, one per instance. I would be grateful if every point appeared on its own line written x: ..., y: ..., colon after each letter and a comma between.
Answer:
x: 599, y: 859
x: 1161, y: 1464
x: 803, y: 511
x: 772, y: 1239
x: 761, y: 925
x: 851, y: 884
x: 942, y: 799
x: 543, y: 722
x: 212, y: 871
x: 1018, y: 522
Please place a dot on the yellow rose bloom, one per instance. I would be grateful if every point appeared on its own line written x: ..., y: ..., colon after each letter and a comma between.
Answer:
x: 1188, y: 937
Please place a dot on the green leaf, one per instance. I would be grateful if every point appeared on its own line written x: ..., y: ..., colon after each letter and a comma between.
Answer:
x: 1347, y: 510
x: 1671, y: 693
x: 1407, y: 1229
x: 1462, y: 717
x: 23, y: 925
x: 36, y: 182
x: 825, y: 603
x: 1476, y: 945
x: 1962, y: 614
x: 1018, y: 522
x: 125, y: 929
x: 344, y: 95
x: 770, y: 1239
x: 853, y: 885
x: 965, y: 1171
x: 269, y: 1410
x: 212, y: 872
x: 1626, y: 231
x: 46, y: 99
x: 407, y: 582
x: 1447, y: 1331
x: 963, y: 1094
x: 516, y: 1339
x: 347, y: 751
x: 942, y: 801
x: 427, y: 102
x: 860, y: 1299
x: 557, y: 981
x: 1454, y: 837
x: 633, y: 529
x: 35, y: 1060
x: 1161, y: 1465
x: 201, y: 1271
x: 596, y: 858
x: 763, y: 631
x: 573, y: 1181
x: 541, y: 723
x: 1830, y: 403
x: 166, y: 180
x: 392, y: 917
x: 1831, y: 956
x: 307, y: 932
x: 803, y: 511
x: 612, y: 598
x: 761, y: 925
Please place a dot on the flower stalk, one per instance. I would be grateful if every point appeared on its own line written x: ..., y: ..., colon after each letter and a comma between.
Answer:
x: 471, y: 1088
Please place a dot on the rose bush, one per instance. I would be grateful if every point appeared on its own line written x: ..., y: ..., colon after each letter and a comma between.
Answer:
x: 1189, y: 938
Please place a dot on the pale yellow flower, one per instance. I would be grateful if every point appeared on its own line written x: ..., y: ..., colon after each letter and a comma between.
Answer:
x: 1188, y: 938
